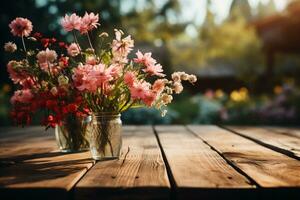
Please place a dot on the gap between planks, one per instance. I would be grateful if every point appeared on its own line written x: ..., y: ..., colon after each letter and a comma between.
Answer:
x: 198, y: 170
x: 270, y: 169
x: 289, y: 145
x: 252, y: 181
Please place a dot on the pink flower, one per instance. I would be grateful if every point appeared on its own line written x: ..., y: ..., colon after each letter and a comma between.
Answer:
x: 129, y: 78
x: 149, y: 98
x: 100, y: 73
x: 90, y: 77
x: 22, y: 96
x: 154, y: 70
x: 121, y: 47
x: 71, y: 22
x: 116, y: 69
x: 150, y: 63
x: 14, y: 69
x: 88, y: 22
x: 139, y: 90
x: 20, y: 27
x: 81, y: 80
x: 144, y: 59
x: 73, y: 50
x: 159, y: 85
x: 46, y: 58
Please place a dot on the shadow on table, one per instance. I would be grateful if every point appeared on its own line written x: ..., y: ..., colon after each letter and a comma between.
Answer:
x: 37, y: 170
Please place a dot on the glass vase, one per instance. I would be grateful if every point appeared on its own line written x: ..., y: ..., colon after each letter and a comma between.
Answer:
x: 71, y: 135
x: 105, y: 136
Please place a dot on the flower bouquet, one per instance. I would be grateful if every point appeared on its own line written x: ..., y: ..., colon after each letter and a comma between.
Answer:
x: 44, y: 80
x: 96, y: 84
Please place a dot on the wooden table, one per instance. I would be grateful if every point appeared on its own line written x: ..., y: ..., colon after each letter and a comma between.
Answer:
x: 161, y: 162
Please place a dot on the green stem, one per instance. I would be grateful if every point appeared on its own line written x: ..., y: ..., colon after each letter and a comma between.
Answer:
x: 76, y: 41
x: 24, y: 47
x: 89, y: 39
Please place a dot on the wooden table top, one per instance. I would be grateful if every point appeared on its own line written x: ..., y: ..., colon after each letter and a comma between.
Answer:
x: 160, y: 162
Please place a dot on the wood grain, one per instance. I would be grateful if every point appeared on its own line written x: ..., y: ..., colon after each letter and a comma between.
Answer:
x: 196, y: 168
x: 292, y: 131
x: 265, y: 166
x: 32, y: 168
x: 275, y: 140
x: 140, y: 173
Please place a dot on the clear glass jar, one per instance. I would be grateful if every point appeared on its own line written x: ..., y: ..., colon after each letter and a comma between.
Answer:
x: 71, y: 136
x: 105, y: 136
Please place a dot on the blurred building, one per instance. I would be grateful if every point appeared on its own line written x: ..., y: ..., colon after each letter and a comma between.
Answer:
x: 280, y: 33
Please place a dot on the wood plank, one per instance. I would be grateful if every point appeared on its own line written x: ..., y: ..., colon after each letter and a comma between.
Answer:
x: 284, y: 143
x: 140, y: 173
x: 32, y: 168
x: 197, y: 170
x: 266, y: 167
x: 292, y: 131
x: 19, y: 141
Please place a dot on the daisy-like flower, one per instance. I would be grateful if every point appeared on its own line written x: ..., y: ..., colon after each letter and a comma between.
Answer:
x: 47, y: 56
x: 154, y: 70
x: 88, y: 22
x: 139, y: 90
x: 121, y: 47
x: 73, y: 50
x: 20, y: 27
x: 46, y: 59
x: 129, y: 78
x: 72, y: 22
x: 159, y: 85
x: 116, y: 69
x: 90, y: 77
x: 144, y: 59
x: 149, y: 98
x: 10, y: 47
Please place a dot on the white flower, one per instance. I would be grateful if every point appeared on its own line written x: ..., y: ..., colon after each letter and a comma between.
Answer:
x: 176, y: 77
x: 178, y: 87
x: 10, y: 47
x: 192, y: 78
x: 184, y: 76
x: 166, y: 99
x: 63, y: 80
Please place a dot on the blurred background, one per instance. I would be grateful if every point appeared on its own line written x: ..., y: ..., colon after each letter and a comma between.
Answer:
x: 244, y: 53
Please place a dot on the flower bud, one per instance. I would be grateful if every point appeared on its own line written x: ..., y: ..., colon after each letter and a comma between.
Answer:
x: 63, y: 80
